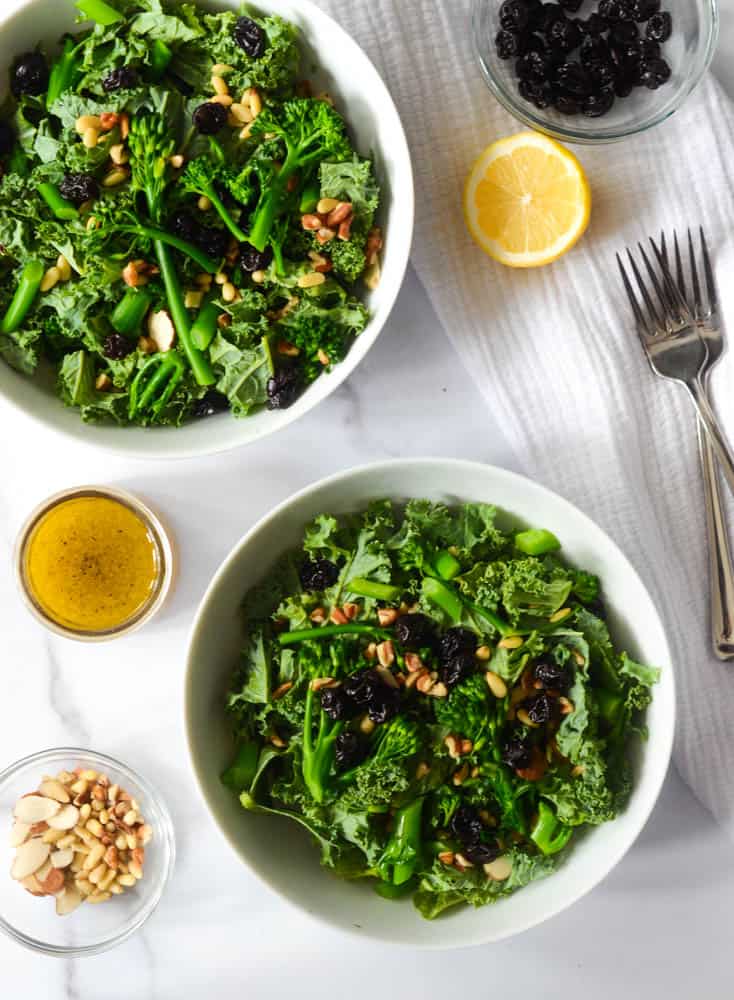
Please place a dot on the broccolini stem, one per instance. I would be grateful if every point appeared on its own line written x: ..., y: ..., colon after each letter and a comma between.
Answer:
x: 328, y: 632
x: 205, y: 326
x: 371, y: 588
x: 189, y: 249
x: 403, y: 851
x: 224, y: 215
x: 25, y: 294
x: 447, y: 565
x: 63, y: 71
x: 130, y: 310
x: 200, y: 365
x: 160, y: 57
x: 99, y: 11
x: 61, y: 208
x: 537, y: 542
x: 549, y: 834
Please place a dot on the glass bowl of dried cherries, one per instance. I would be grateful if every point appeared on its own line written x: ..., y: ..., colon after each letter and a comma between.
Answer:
x: 594, y: 71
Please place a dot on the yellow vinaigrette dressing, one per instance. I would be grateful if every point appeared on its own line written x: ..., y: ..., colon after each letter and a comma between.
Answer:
x: 91, y: 563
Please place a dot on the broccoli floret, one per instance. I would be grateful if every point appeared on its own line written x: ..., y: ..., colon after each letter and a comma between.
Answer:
x: 202, y: 177
x: 317, y: 338
x: 466, y: 710
x: 348, y: 258
x: 311, y: 131
x: 318, y: 755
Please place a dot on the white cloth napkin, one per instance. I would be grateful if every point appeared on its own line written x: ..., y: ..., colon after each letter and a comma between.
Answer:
x: 553, y: 350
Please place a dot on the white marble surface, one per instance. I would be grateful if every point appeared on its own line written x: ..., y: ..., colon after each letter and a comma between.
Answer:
x: 657, y: 927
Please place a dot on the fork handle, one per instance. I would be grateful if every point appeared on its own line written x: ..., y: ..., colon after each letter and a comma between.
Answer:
x: 721, y: 570
x: 712, y: 427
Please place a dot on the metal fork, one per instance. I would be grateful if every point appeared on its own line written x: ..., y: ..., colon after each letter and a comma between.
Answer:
x: 705, y: 308
x: 676, y: 351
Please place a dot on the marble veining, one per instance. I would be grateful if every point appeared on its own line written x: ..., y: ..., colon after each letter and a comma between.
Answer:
x: 657, y: 917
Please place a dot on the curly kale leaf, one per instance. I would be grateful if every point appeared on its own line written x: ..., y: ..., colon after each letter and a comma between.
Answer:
x: 444, y: 887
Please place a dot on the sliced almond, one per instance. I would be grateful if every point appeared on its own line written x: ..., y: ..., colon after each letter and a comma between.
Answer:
x: 53, y: 789
x: 32, y: 885
x: 66, y: 819
x: 161, y: 330
x: 29, y: 857
x: 67, y: 901
x: 63, y: 858
x: 53, y: 882
x: 35, y: 809
x: 499, y: 870
x: 19, y: 833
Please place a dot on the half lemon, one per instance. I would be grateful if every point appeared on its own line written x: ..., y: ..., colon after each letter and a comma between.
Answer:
x: 527, y: 200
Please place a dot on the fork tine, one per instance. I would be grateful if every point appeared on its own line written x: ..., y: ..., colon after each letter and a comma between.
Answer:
x: 679, y: 275
x: 697, y: 305
x: 642, y: 325
x: 652, y: 310
x: 709, y: 273
x: 665, y: 301
x: 676, y: 302
x: 663, y: 247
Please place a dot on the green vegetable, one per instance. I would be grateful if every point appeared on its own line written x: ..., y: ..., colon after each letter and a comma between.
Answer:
x: 61, y: 208
x: 375, y: 784
x: 151, y: 147
x: 549, y: 834
x: 329, y: 632
x: 97, y: 10
x: 371, y: 588
x: 202, y: 176
x: 64, y: 71
x: 240, y: 775
x: 130, y: 311
x: 160, y: 58
x: 205, y: 326
x: 312, y: 131
x: 25, y: 294
x: 318, y: 756
x: 402, y: 855
x: 537, y: 542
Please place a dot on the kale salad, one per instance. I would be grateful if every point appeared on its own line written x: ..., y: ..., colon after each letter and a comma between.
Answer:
x: 185, y: 226
x: 435, y: 696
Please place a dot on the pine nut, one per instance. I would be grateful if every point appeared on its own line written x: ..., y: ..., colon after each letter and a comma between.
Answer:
x: 511, y: 642
x: 567, y: 707
x: 50, y: 278
x: 192, y: 300
x: 371, y: 651
x: 95, y: 827
x: 460, y: 776
x: 483, y: 654
x: 523, y: 717
x: 124, y: 125
x: 99, y: 897
x: 578, y: 658
x: 229, y: 292
x: 98, y: 873
x: 321, y: 682
x: 559, y: 615
x: 94, y: 857
x: 106, y: 881
x: 453, y: 746
x: 446, y: 857
x: 221, y: 278
x: 135, y: 869
x: 114, y: 177
x: 221, y: 69
x: 240, y: 114
x: 131, y: 841
x: 258, y: 277
x: 439, y: 690
x: 252, y: 98
x: 176, y: 161
x: 224, y: 99
x: 326, y: 205
x: 373, y: 275
x: 367, y: 726
x: 130, y: 818
x: 311, y: 280
x: 127, y: 880
x: 422, y: 770
x: 496, y: 685
x: 204, y: 204
x: 121, y: 842
x: 118, y: 154
x: 64, y: 267
x: 85, y: 122
x: 219, y: 85
x: 246, y: 131
x: 90, y: 137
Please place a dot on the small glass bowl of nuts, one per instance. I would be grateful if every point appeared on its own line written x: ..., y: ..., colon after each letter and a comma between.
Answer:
x: 89, y: 847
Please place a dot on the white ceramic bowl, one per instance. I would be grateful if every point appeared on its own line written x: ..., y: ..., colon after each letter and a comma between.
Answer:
x: 278, y: 851
x: 347, y: 73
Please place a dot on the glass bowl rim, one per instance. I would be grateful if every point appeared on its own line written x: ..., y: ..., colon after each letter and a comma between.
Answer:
x: 163, y: 541
x: 164, y: 835
x: 522, y: 110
